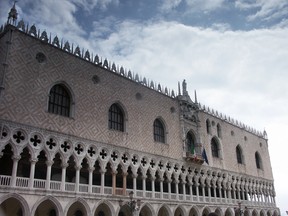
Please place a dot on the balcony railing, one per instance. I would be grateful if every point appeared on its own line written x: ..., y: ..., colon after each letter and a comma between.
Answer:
x: 40, y: 184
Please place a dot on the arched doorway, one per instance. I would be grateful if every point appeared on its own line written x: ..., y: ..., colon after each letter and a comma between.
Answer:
x: 77, y: 209
x: 205, y: 212
x: 11, y: 207
x: 193, y: 212
x: 48, y: 208
x: 103, y: 210
x: 163, y: 211
x: 179, y: 212
x: 145, y: 211
x: 125, y: 211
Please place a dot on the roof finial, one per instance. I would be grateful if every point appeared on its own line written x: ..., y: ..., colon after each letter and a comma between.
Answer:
x: 195, y: 94
x: 12, y: 16
x: 184, y: 87
x: 179, y: 90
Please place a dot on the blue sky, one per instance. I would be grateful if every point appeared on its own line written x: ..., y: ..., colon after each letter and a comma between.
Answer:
x: 234, y: 53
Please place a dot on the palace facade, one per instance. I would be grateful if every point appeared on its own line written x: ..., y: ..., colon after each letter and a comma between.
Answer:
x: 81, y: 136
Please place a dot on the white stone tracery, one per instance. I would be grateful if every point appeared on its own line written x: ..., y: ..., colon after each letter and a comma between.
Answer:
x: 211, y: 186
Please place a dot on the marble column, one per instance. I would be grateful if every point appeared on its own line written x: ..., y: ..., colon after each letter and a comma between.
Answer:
x: 32, y: 172
x: 48, y: 174
x: 14, y: 170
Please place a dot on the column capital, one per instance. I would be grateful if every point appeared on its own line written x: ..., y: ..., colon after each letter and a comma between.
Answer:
x: 77, y: 167
x: 33, y: 160
x: 16, y: 157
x: 49, y: 163
x: 64, y: 165
x: 91, y: 169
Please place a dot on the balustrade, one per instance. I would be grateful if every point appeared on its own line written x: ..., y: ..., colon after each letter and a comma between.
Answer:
x: 40, y: 184
x: 22, y: 182
x: 5, y: 180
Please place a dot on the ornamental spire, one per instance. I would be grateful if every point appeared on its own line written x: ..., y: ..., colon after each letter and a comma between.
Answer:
x: 12, y: 16
x: 195, y: 95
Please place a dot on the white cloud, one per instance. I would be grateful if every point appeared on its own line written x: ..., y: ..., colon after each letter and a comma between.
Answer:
x: 58, y: 15
x: 192, y: 5
x: 207, y: 5
x: 266, y: 9
x: 89, y: 5
x: 168, y: 5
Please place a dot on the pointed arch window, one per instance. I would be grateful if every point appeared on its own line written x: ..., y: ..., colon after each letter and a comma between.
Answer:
x: 59, y: 100
x: 258, y: 161
x: 208, y: 126
x: 116, y: 117
x: 215, y: 148
x: 159, y: 131
x: 190, y: 142
x: 219, y: 132
x: 239, y: 155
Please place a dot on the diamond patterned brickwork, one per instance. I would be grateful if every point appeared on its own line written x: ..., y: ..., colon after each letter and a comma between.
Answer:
x: 27, y: 85
x: 25, y: 99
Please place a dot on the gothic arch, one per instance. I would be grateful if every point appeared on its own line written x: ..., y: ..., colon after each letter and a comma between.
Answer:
x: 106, y: 205
x: 239, y: 154
x: 179, y: 210
x: 194, y: 211
x: 247, y: 212
x: 6, y: 160
x: 258, y: 160
x: 190, y: 141
x: 208, y: 126
x: 219, y: 211
x: 262, y: 212
x: 229, y: 212
x: 215, y: 147
x: 219, y: 131
x: 51, y: 199
x: 14, y: 149
x: 255, y: 212
x: 206, y: 210
x: 32, y: 153
x: 164, y: 207
x: 146, y: 208
x: 23, y: 202
x: 76, y: 201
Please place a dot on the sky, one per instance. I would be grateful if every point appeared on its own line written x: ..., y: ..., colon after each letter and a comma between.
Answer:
x: 234, y: 53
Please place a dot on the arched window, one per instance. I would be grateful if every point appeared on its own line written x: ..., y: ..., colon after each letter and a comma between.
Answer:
x: 219, y: 132
x: 116, y: 118
x: 258, y: 161
x: 159, y: 131
x: 6, y: 161
x: 208, y: 126
x: 215, y: 148
x: 190, y: 142
x: 239, y: 155
x: 59, y: 101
